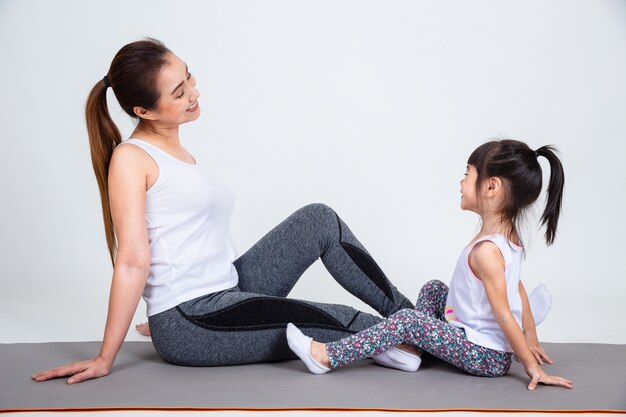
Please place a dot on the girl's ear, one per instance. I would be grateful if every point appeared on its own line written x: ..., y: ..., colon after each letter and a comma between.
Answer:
x: 493, y: 186
x: 143, y: 113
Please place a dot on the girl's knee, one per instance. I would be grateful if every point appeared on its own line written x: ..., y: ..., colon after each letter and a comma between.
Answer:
x: 490, y: 369
x: 435, y: 284
x: 502, y: 368
x: 408, y: 315
x: 433, y: 290
x: 490, y: 373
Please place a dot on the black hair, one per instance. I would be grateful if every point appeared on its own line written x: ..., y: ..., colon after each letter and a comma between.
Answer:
x: 517, y: 165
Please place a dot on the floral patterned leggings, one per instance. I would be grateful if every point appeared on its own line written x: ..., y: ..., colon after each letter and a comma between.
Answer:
x: 426, y: 328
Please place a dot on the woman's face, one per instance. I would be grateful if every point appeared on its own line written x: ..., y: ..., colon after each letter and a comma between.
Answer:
x: 178, y: 102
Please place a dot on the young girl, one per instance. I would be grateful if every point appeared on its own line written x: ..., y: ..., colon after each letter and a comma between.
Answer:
x: 484, y: 317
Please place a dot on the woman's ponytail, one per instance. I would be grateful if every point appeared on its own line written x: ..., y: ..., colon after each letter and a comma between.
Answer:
x: 550, y: 216
x: 133, y: 78
x: 104, y: 136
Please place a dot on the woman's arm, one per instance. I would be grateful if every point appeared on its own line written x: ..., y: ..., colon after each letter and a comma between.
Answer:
x: 488, y: 265
x: 530, y: 329
x: 127, y: 193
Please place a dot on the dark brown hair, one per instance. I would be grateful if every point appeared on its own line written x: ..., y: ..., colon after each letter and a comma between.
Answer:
x: 132, y: 76
x: 517, y: 165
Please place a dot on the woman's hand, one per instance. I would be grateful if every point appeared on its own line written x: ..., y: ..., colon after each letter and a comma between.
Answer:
x: 143, y: 329
x: 77, y: 371
x: 537, y: 375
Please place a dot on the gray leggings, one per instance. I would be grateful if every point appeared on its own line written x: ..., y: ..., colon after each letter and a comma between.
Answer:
x: 246, y: 324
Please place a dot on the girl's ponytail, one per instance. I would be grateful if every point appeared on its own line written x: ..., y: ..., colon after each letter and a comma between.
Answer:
x: 104, y: 136
x: 550, y: 216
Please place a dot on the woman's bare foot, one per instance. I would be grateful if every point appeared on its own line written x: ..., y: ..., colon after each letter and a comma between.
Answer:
x: 143, y: 329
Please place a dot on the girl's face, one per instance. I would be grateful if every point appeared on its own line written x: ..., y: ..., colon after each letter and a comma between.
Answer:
x: 469, y: 199
x: 178, y: 102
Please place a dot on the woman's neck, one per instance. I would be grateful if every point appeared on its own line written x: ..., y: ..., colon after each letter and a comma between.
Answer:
x: 164, y: 137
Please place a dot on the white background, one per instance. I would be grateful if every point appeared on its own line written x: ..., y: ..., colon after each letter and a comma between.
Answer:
x: 371, y: 107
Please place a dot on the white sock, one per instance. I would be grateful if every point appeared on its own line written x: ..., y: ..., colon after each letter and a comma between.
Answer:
x: 398, y: 359
x: 540, y: 303
x: 301, y: 346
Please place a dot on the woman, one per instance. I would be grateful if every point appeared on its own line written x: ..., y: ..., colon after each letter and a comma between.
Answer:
x: 167, y: 229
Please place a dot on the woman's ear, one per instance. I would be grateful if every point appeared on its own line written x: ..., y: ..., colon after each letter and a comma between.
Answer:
x: 143, y: 113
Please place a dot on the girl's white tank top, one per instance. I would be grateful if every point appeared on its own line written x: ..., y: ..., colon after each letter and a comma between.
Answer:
x: 188, y: 221
x: 467, y: 305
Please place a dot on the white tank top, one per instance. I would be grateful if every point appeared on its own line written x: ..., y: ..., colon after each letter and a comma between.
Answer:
x: 188, y: 220
x: 467, y: 306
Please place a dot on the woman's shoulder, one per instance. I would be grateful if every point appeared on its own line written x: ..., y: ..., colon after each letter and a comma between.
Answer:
x: 129, y: 159
x: 128, y: 152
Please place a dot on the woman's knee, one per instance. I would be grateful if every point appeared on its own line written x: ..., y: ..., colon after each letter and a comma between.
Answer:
x: 320, y: 220
x: 318, y: 210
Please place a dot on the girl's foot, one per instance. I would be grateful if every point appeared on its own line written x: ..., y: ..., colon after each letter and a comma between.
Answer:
x: 403, y: 357
x: 143, y: 329
x: 304, y: 346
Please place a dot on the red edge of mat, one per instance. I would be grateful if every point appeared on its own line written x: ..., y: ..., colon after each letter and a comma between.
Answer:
x: 328, y: 409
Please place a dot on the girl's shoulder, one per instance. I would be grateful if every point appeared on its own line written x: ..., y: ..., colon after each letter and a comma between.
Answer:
x: 485, y: 260
x: 495, y: 248
x: 497, y: 239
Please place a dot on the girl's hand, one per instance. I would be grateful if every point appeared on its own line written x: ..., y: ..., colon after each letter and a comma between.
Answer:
x: 77, y: 371
x: 537, y: 375
x: 538, y: 352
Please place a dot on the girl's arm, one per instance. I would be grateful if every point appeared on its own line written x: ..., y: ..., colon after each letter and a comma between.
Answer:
x: 530, y: 329
x: 487, y: 263
x: 127, y: 193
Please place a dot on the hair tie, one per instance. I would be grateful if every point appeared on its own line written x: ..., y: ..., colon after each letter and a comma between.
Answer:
x: 536, y: 154
x: 105, y: 80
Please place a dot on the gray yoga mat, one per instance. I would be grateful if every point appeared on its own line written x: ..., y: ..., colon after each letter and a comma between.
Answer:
x: 141, y: 380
